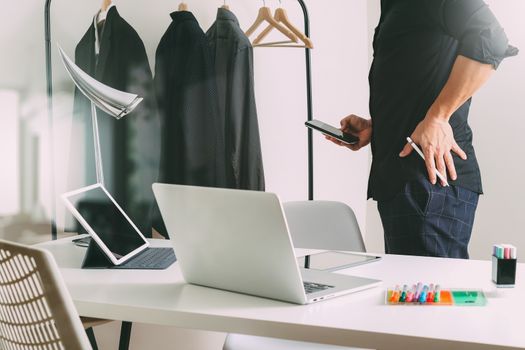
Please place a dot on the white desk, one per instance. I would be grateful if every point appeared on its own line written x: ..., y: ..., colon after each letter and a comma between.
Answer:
x: 360, y: 319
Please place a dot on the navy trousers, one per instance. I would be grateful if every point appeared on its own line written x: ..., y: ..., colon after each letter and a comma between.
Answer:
x: 429, y: 220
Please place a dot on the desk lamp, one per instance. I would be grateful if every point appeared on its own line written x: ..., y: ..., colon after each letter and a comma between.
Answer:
x: 114, y: 102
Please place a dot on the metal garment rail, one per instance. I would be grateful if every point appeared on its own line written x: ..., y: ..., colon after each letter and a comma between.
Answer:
x: 49, y: 80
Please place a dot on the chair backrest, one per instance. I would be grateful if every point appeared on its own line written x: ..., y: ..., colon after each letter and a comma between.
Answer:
x: 323, y: 225
x: 36, y: 310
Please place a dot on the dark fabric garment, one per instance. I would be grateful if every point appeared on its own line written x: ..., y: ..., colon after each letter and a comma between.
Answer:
x: 192, y: 138
x: 429, y: 220
x: 415, y: 46
x: 130, y: 147
x: 192, y: 151
x: 232, y: 54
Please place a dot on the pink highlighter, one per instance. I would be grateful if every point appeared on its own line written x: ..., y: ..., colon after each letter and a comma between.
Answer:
x: 410, y: 294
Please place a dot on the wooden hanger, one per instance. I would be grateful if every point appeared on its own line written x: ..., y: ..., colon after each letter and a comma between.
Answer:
x: 265, y: 15
x: 103, y: 12
x: 282, y: 17
x: 225, y: 6
x: 183, y: 6
x: 105, y: 5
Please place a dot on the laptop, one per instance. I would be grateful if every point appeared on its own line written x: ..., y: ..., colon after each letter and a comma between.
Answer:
x: 239, y: 241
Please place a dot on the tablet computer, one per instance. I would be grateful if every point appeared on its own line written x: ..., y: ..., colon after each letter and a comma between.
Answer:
x: 106, y: 222
x: 337, y: 260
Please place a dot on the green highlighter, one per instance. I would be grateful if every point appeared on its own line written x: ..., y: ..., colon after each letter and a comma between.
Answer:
x: 469, y: 297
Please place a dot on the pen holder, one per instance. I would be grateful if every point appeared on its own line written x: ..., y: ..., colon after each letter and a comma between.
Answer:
x: 503, y: 272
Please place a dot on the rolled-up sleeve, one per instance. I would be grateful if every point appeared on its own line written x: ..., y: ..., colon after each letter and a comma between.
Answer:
x: 479, y: 34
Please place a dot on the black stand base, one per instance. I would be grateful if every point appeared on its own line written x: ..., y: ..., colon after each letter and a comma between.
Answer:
x: 95, y: 258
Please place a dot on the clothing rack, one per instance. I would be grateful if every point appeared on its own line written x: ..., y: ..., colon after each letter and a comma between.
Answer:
x: 49, y: 81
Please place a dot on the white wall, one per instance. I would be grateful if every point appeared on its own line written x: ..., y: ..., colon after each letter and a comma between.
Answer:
x: 10, y: 140
x: 339, y: 87
x: 498, y: 120
x: 374, y: 229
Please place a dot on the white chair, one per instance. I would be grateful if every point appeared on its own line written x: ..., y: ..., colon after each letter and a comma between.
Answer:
x: 323, y: 225
x: 36, y: 310
x: 313, y: 225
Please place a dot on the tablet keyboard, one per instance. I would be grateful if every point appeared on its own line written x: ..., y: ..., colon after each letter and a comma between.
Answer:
x: 310, y: 287
x: 150, y: 259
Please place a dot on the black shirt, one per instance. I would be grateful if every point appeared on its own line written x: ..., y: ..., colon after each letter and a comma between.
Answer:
x: 192, y: 148
x: 232, y: 55
x: 130, y: 152
x: 415, y: 46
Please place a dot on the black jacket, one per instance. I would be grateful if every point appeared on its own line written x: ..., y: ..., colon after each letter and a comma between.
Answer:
x: 232, y: 55
x: 192, y: 136
x: 130, y: 146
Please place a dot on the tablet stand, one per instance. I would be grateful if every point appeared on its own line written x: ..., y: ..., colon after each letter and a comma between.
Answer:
x: 95, y: 258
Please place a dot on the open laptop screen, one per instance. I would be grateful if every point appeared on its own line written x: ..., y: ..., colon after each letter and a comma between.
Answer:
x: 101, y: 216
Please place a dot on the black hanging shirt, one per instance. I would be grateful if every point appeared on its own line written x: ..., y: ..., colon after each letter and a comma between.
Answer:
x: 192, y: 128
x: 113, y: 53
x: 415, y: 46
x: 232, y: 54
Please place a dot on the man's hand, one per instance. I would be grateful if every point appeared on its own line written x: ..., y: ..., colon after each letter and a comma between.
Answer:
x: 434, y: 133
x: 356, y: 126
x: 435, y: 137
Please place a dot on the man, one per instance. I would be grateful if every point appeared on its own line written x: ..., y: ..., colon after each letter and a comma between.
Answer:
x: 430, y: 57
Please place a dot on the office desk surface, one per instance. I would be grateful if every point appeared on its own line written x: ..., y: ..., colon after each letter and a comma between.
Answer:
x: 360, y: 319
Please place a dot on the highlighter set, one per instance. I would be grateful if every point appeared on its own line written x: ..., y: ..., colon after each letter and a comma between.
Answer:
x: 504, y: 259
x: 419, y: 294
x: 432, y: 294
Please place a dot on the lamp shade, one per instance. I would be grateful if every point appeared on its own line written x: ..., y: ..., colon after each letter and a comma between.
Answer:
x: 112, y: 101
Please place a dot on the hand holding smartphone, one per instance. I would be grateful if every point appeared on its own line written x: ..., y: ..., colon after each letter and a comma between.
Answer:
x: 329, y: 130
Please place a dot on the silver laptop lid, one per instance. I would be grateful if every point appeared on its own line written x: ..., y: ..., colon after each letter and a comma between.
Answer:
x: 231, y: 239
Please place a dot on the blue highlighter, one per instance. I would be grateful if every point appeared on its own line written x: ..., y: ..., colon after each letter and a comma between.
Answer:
x: 423, y: 296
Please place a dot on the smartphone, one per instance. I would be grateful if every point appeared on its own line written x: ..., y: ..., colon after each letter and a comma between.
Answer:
x: 331, y: 131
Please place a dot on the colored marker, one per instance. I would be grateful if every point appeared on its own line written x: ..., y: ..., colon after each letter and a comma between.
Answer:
x: 506, y: 251
x: 398, y: 295
x: 395, y: 295
x: 513, y: 252
x: 500, y: 252
x: 410, y: 294
x: 430, y: 296
x: 423, y: 296
x: 418, y: 291
x: 437, y: 294
x: 403, y: 296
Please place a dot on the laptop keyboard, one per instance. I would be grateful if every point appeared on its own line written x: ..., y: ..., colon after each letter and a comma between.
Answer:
x: 310, y: 287
x: 150, y: 259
